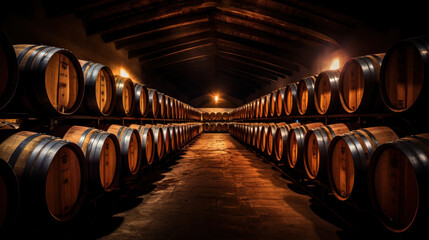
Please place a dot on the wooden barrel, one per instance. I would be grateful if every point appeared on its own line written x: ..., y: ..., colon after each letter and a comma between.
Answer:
x: 206, y: 116
x: 359, y: 84
x: 206, y: 127
x: 290, y: 100
x: 173, y: 136
x: 167, y: 107
x: 257, y: 108
x: 267, y: 105
x: 8, y: 70
x: 295, y: 143
x: 212, y: 116
x: 397, y: 181
x: 141, y: 103
x: 9, y: 197
x: 51, y: 172
x: 100, y: 90
x: 153, y: 103
x: 264, y: 137
x: 218, y: 116
x: 162, y: 105
x: 281, y: 137
x: 403, y: 74
x: 101, y: 150
x: 280, y: 98
x: 147, y: 141
x: 271, y: 137
x: 316, y: 146
x: 125, y: 96
x: 326, y: 92
x: 167, y: 137
x: 130, y: 147
x: 173, y: 108
x: 305, y: 96
x: 225, y: 116
x: 158, y: 138
x: 262, y: 106
x: 273, y: 103
x: 50, y: 80
x: 348, y: 157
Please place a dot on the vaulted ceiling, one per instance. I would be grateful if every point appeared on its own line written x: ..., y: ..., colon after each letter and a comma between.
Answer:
x: 237, y: 46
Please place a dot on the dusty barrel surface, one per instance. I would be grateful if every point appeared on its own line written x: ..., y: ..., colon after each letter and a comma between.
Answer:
x: 100, y: 90
x: 326, y: 92
x: 316, y: 146
x: 147, y: 141
x: 50, y: 80
x: 8, y: 70
x: 125, y: 96
x: 398, y: 182
x: 359, y: 84
x: 141, y: 104
x: 295, y: 143
x: 102, y: 153
x: 403, y: 75
x: 348, y: 158
x: 51, y: 173
x: 9, y: 197
x: 282, y: 134
x: 305, y: 95
x: 130, y: 147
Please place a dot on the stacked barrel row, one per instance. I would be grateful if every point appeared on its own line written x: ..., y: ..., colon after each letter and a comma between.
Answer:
x: 217, y: 127
x: 49, y: 176
x: 215, y: 116
x: 374, y: 83
x: 359, y: 164
x: 49, y: 80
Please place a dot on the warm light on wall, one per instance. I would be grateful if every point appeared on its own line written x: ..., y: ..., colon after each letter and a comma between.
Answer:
x: 124, y: 73
x: 335, y: 65
x: 216, y: 98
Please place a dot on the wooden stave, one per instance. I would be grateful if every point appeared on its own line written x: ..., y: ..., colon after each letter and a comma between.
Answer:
x: 32, y: 179
x: 371, y: 99
x: 299, y: 133
x: 309, y: 83
x: 29, y: 91
x: 334, y: 103
x: 138, y: 90
x: 12, y: 69
x: 120, y: 83
x: 416, y: 149
x: 361, y: 158
x: 421, y: 44
x: 89, y: 103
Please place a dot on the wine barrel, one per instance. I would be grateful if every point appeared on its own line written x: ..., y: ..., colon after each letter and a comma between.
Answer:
x: 206, y: 116
x: 8, y: 70
x: 125, y: 96
x: 165, y: 129
x: 225, y: 116
x: 397, y: 181
x: 102, y: 153
x: 147, y: 141
x: 305, y: 96
x: 403, y: 74
x: 173, y: 108
x: 295, y: 143
x: 316, y: 145
x: 158, y: 138
x: 264, y: 137
x: 51, y: 173
x: 141, y: 104
x: 50, y: 80
x: 326, y: 92
x: 262, y: 106
x: 9, y: 197
x: 100, y: 90
x: 271, y: 137
x: 212, y: 116
x: 162, y: 105
x: 173, y: 137
x: 267, y: 105
x: 218, y: 116
x: 257, y: 107
x: 348, y: 157
x: 273, y: 103
x: 290, y: 99
x: 153, y: 103
x: 206, y: 127
x: 359, y: 84
x: 167, y: 107
x: 130, y: 147
x: 282, y: 134
x: 280, y: 101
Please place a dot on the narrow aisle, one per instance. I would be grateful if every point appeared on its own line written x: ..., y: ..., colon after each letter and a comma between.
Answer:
x: 218, y: 189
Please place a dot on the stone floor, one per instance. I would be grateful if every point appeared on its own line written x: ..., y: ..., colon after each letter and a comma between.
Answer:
x: 215, y: 189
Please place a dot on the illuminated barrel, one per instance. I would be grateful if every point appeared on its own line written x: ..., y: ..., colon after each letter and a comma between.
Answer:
x: 282, y: 134
x: 290, y: 100
x: 305, y: 96
x: 125, y: 96
x: 153, y: 103
x: 147, y: 141
x: 326, y: 92
x: 141, y: 104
